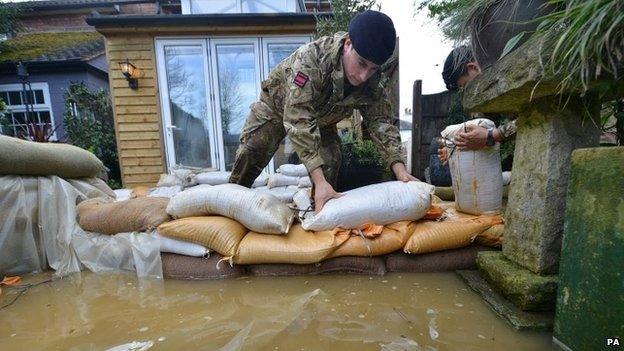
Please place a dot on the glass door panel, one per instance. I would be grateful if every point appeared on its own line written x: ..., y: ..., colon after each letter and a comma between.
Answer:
x: 236, y: 62
x: 187, y: 120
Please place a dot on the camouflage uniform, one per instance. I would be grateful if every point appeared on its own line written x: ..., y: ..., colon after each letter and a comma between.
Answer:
x: 304, y: 98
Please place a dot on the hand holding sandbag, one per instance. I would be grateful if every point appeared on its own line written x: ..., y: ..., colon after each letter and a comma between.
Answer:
x: 255, y: 210
x: 382, y: 204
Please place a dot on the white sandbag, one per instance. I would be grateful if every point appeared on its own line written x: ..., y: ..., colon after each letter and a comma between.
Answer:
x: 213, y: 178
x: 304, y: 182
x: 284, y: 194
x: 122, y: 194
x: 181, y: 247
x: 381, y: 204
x: 183, y: 177
x: 256, y: 210
x: 476, y: 175
x: 277, y: 180
x: 293, y: 170
x: 165, y: 191
x: 506, y: 178
x: 262, y: 180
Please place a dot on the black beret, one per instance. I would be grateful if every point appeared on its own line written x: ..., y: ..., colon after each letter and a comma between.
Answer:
x: 455, y: 66
x: 373, y: 36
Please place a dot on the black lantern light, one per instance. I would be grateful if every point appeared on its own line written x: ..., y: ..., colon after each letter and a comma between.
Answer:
x: 131, y: 73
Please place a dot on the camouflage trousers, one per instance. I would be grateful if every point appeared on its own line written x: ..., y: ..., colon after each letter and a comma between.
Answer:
x: 260, y: 139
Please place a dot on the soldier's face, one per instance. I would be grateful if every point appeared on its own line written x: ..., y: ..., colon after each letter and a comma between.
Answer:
x: 357, y: 69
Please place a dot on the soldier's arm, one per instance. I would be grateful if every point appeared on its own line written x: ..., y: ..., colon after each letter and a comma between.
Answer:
x: 304, y: 81
x: 385, y: 134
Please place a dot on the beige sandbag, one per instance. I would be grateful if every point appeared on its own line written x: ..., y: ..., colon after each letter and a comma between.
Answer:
x: 255, y: 210
x: 217, y: 233
x: 279, y: 180
x: 298, y: 246
x: 392, y: 238
x: 140, y: 191
x: 21, y: 157
x: 492, y: 237
x: 431, y: 236
x: 134, y: 215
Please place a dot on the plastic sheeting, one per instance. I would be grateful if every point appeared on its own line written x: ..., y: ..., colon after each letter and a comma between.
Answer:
x: 38, y: 229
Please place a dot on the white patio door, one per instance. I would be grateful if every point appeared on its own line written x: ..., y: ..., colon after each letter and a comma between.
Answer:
x: 188, y: 118
x: 206, y: 87
x: 236, y: 77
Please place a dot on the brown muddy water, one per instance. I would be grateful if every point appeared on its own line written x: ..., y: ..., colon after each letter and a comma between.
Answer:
x: 394, y: 312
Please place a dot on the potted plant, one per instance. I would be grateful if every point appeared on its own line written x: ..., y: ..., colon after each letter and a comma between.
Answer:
x: 361, y: 164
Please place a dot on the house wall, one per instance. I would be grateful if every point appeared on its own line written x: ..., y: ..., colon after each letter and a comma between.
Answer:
x: 138, y: 123
x: 57, y: 85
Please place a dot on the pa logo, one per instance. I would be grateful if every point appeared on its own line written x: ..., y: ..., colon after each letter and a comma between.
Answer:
x: 613, y: 341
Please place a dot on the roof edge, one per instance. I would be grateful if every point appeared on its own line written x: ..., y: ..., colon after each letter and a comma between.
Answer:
x: 204, y: 19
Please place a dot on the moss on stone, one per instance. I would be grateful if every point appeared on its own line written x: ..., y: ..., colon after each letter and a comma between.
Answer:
x: 529, y: 291
x: 32, y: 46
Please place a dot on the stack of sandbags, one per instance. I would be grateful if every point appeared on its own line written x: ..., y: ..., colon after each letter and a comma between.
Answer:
x: 287, y: 180
x: 219, y: 177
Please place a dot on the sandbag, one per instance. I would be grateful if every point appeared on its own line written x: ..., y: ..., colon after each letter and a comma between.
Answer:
x: 430, y: 236
x: 477, y: 175
x: 506, y: 178
x: 492, y: 237
x: 255, y: 210
x: 134, y: 215
x: 183, y: 177
x: 22, y: 157
x: 298, y: 246
x: 392, y: 238
x: 165, y: 191
x: 122, y: 194
x: 198, y: 268
x: 284, y: 193
x: 445, y: 193
x: 181, y: 247
x: 278, y: 180
x: 213, y: 178
x: 262, y: 180
x: 304, y: 182
x: 293, y: 170
x: 382, y: 204
x: 336, y: 265
x: 441, y: 261
x: 217, y: 233
x: 140, y: 191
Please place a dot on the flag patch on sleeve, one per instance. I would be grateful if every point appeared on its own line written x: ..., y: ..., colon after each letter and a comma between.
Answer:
x: 301, y: 79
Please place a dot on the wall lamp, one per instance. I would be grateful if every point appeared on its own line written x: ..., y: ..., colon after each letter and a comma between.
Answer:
x: 131, y: 73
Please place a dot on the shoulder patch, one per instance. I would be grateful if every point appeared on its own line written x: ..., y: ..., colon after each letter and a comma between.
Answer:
x: 301, y: 79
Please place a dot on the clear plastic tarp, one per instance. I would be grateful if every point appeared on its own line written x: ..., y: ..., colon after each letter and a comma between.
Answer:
x: 38, y: 228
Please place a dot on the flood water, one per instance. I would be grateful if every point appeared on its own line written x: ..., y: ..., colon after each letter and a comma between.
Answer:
x: 394, y: 312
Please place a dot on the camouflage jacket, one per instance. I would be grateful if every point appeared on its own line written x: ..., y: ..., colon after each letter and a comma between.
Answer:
x: 306, y: 92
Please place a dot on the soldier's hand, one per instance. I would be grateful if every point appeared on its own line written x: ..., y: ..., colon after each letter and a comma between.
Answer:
x: 401, y: 173
x: 473, y: 138
x: 323, y: 192
x: 443, y: 155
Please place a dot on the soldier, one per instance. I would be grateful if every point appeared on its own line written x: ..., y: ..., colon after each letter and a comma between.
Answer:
x: 460, y: 68
x: 308, y: 93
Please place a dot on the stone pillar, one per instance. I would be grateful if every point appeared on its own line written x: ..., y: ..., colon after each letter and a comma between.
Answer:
x: 549, y: 129
x: 590, y: 302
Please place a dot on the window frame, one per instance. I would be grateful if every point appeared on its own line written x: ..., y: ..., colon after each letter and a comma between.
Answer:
x: 45, y: 107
